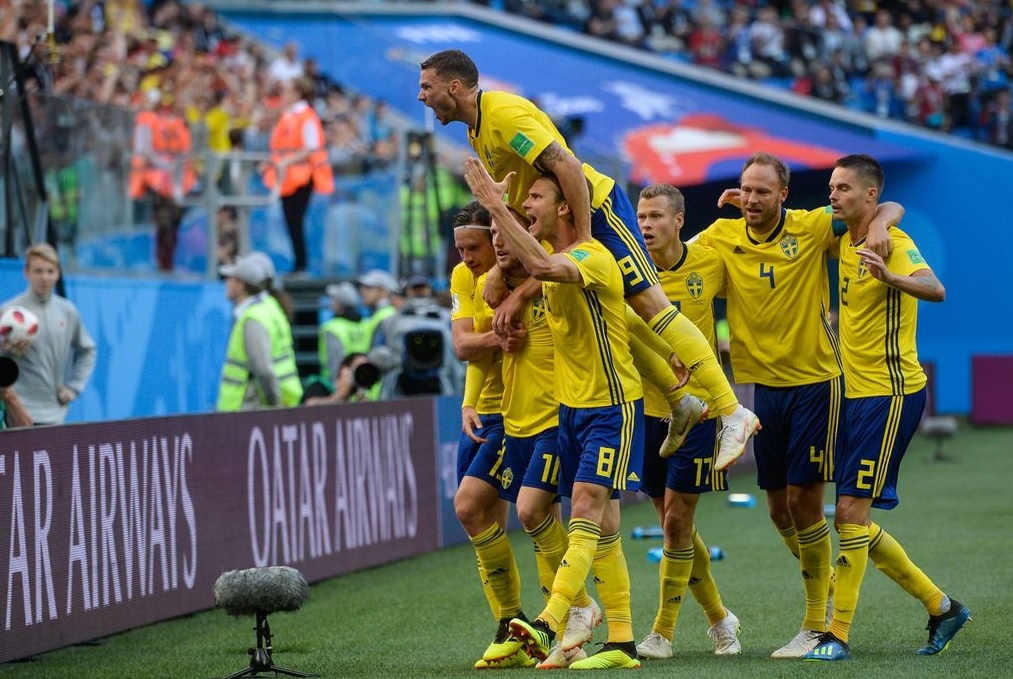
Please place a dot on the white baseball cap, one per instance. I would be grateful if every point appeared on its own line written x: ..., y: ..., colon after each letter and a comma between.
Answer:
x: 255, y: 268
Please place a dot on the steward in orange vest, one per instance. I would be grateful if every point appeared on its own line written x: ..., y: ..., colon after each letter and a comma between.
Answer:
x: 299, y: 155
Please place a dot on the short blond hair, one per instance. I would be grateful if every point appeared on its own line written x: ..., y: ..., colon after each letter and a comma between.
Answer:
x: 43, y: 251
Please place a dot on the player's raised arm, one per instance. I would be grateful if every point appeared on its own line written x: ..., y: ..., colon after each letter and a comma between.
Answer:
x: 566, y: 168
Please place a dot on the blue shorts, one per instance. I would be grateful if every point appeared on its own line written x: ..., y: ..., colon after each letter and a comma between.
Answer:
x: 615, y: 225
x: 604, y: 446
x: 799, y: 435
x: 542, y: 453
x: 689, y: 470
x: 878, y: 431
x: 489, y: 461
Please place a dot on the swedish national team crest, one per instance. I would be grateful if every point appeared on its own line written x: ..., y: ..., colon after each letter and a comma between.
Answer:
x: 694, y: 285
x: 506, y: 478
x: 789, y: 246
x: 862, y: 269
x: 538, y: 308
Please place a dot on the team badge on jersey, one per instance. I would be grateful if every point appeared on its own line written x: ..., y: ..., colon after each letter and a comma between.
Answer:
x: 537, y: 308
x: 694, y: 285
x: 862, y: 269
x: 789, y: 246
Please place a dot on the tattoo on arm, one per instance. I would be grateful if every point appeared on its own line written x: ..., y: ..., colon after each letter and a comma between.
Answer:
x: 548, y: 158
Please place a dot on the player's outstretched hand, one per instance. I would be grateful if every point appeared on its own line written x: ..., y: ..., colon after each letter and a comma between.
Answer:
x: 486, y: 191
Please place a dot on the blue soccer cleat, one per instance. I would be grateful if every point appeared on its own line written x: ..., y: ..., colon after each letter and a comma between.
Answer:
x: 942, y: 628
x: 829, y: 647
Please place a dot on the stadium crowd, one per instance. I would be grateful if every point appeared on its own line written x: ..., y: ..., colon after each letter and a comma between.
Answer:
x: 943, y: 64
x: 123, y: 52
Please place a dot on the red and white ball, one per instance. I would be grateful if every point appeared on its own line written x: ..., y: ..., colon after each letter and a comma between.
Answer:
x: 18, y: 323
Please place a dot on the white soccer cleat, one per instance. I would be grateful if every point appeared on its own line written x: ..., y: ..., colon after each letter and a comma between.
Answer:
x: 687, y: 412
x: 558, y: 660
x: 654, y: 646
x: 735, y: 432
x: 724, y: 634
x: 580, y: 626
x: 804, y: 641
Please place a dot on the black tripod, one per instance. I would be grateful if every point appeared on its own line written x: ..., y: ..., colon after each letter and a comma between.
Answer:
x: 260, y: 657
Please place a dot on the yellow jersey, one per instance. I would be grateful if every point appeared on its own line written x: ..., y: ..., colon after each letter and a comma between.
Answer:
x: 529, y: 400
x: 510, y: 134
x: 491, y: 397
x: 593, y: 364
x: 691, y: 285
x: 778, y: 294
x: 878, y: 323
x: 462, y: 293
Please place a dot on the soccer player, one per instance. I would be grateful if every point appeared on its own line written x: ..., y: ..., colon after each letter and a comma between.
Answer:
x: 691, y: 276
x: 777, y: 289
x: 884, y: 389
x: 600, y: 412
x: 510, y: 134
x: 484, y: 490
x: 531, y: 424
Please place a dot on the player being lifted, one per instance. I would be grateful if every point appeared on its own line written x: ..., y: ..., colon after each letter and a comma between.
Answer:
x: 510, y: 134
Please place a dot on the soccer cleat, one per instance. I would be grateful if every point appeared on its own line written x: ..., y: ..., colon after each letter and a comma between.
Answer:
x: 942, y: 628
x: 611, y: 656
x: 735, y: 432
x: 655, y: 646
x: 829, y: 648
x: 580, y: 625
x: 535, y: 636
x: 559, y: 659
x: 504, y: 645
x: 516, y: 659
x: 687, y: 412
x: 803, y: 642
x: 724, y: 635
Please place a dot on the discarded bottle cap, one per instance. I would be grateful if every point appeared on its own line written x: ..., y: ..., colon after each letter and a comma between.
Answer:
x: 741, y: 500
x: 716, y: 553
x: 654, y: 554
x: 645, y: 532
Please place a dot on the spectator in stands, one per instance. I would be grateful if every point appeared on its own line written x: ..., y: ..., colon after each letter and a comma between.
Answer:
x: 997, y: 120
x: 767, y: 38
x: 259, y: 370
x: 55, y: 366
x: 883, y: 40
x: 346, y: 152
x: 286, y: 66
x: 299, y: 164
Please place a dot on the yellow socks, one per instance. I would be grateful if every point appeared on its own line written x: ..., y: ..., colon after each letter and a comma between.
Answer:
x: 498, y: 568
x: 676, y: 567
x: 814, y: 550
x: 613, y: 581
x: 692, y: 348
x: 701, y: 582
x: 889, y: 557
x: 550, y: 544
x: 573, y: 569
x: 852, y: 559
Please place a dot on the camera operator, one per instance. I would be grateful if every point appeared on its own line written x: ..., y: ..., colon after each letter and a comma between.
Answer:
x: 12, y: 411
x: 355, y: 378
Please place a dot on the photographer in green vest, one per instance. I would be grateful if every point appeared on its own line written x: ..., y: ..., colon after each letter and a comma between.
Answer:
x: 346, y: 333
x: 260, y: 369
